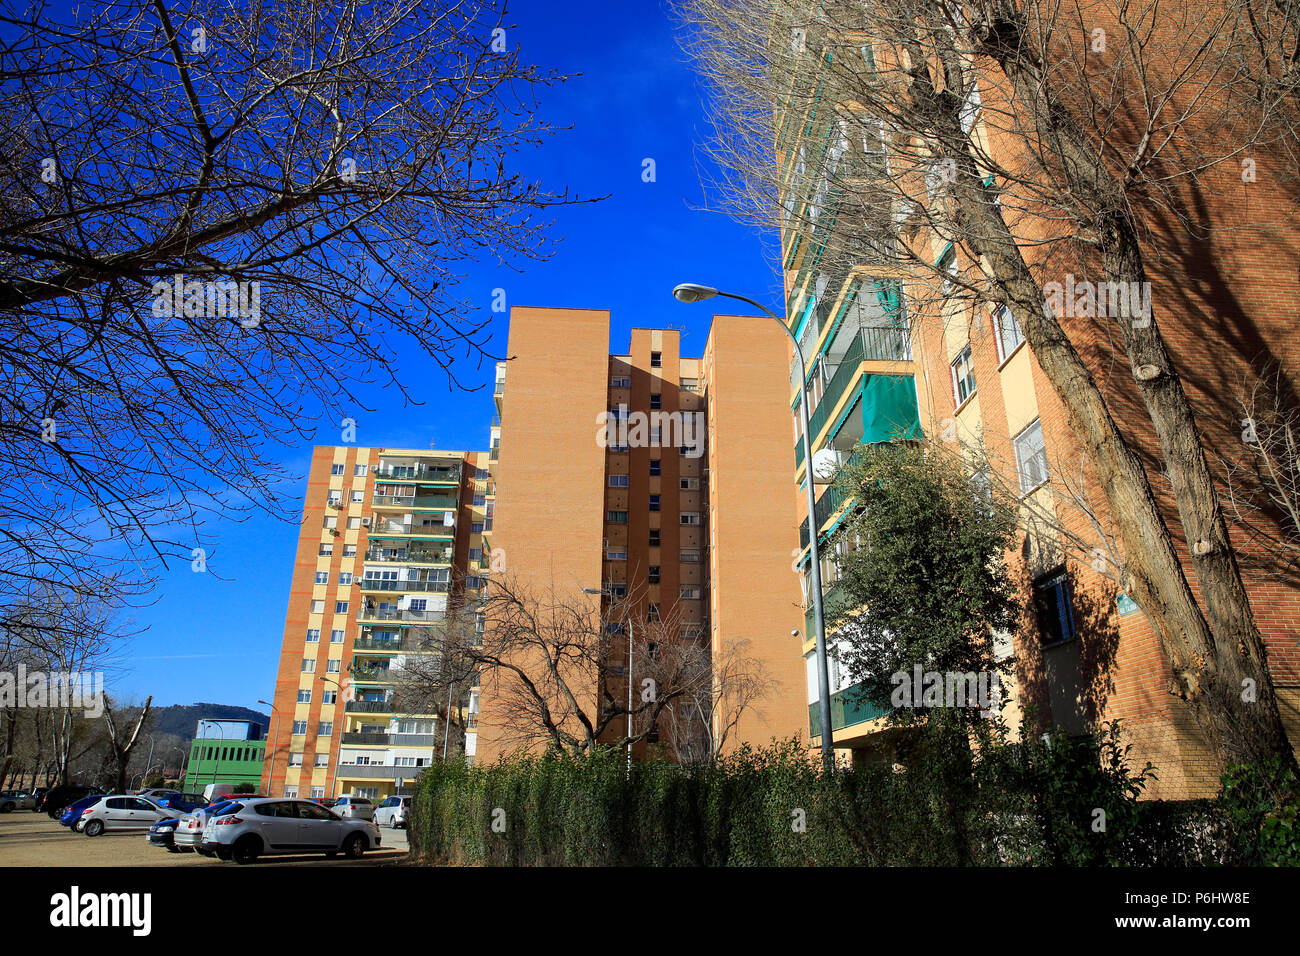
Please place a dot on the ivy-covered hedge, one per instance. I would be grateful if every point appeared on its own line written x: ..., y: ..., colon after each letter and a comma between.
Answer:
x: 1023, y: 804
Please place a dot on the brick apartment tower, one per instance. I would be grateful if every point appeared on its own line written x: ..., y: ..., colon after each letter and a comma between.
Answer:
x: 1084, y: 653
x: 707, y: 539
x: 389, y: 539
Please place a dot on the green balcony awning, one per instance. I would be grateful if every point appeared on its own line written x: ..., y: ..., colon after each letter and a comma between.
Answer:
x: 886, y: 406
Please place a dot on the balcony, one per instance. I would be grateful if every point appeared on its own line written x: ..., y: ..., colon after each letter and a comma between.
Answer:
x: 374, y: 771
x: 375, y: 584
x: 425, y: 474
x: 848, y: 708
x: 392, y: 740
x: 369, y: 707
x: 834, y: 603
x: 411, y: 556
x: 830, y: 502
x: 418, y: 502
x: 400, y: 614
x: 385, y: 646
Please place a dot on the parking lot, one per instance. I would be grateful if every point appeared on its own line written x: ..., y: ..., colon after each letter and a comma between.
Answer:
x: 33, y: 839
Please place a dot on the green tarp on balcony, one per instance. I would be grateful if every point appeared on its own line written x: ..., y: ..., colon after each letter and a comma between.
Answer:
x: 887, y: 406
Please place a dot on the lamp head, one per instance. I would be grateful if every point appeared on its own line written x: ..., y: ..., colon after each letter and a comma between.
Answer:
x: 693, y: 292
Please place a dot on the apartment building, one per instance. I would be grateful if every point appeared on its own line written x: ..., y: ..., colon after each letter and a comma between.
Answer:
x: 891, y: 356
x: 391, y: 540
x: 658, y: 480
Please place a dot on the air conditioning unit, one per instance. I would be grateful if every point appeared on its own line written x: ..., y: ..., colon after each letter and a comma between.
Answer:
x: 365, y: 522
x: 334, y: 531
x: 374, y: 469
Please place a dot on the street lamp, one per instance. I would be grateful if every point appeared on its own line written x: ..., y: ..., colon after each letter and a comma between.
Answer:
x: 691, y: 292
x: 605, y: 591
x: 270, y: 776
x: 216, y: 764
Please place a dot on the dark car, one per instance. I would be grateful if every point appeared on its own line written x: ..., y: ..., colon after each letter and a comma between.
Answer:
x: 57, y: 800
x: 72, y: 812
x: 163, y: 833
x: 39, y: 794
x: 185, y: 802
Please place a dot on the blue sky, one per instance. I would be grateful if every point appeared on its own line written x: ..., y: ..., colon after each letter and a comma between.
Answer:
x: 216, y: 637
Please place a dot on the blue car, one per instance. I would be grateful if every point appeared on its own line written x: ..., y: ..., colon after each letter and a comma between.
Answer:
x: 72, y: 812
x: 184, y: 802
x: 163, y: 833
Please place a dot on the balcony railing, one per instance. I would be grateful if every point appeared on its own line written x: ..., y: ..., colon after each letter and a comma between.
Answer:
x: 443, y: 502
x: 444, y: 556
x: 399, y: 614
x: 848, y: 708
x: 422, y: 473
x: 829, y: 503
x: 392, y: 740
x: 372, y: 644
x: 378, y: 771
x: 369, y: 707
x: 835, y: 601
x: 375, y: 584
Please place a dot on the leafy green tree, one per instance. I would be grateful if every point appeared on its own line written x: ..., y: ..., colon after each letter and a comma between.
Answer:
x: 922, y: 571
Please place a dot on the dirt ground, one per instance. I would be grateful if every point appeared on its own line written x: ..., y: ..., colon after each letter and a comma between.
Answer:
x: 33, y: 839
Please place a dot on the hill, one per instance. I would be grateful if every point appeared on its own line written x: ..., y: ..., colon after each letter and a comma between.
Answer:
x: 179, y: 720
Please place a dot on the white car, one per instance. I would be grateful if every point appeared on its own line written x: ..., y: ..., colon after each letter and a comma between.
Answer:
x: 122, y: 812
x: 355, y: 808
x: 271, y: 825
x: 393, y: 812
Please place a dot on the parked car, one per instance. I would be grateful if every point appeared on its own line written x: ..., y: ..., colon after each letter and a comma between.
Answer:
x: 184, y: 802
x: 71, y: 816
x: 216, y: 791
x: 276, y: 825
x: 163, y: 833
x: 354, y: 808
x: 11, y: 800
x: 38, y: 794
x: 392, y: 812
x: 189, y: 831
x: 59, y: 797
x: 123, y: 812
x: 156, y: 793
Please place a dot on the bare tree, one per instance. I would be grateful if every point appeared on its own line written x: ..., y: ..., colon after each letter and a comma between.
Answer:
x: 217, y: 218
x: 997, y: 128
x: 121, y: 744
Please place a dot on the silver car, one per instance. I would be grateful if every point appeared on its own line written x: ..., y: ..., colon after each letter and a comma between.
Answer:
x: 189, y: 831
x: 392, y: 812
x: 122, y: 812
x: 355, y: 808
x: 11, y: 800
x: 273, y: 825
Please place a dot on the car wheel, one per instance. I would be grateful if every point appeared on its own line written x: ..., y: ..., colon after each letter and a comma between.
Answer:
x: 202, y: 852
x: 354, y: 846
x: 94, y: 828
x: 222, y: 854
x: 7, y: 808
x: 246, y: 850
x: 172, y: 849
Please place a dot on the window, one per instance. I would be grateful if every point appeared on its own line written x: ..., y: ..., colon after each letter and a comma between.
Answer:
x: 304, y: 696
x: 322, y: 577
x: 473, y: 582
x: 317, y: 607
x: 349, y: 551
x: 354, y: 524
x: 336, y: 469
x: 656, y: 360
x: 690, y: 484
x: 690, y: 556
x: 652, y: 612
x: 1006, y: 333
x: 618, y: 481
x: 345, y: 577
x: 322, y: 760
x: 655, y: 467
x: 963, y: 375
x: 654, y: 502
x: 617, y: 590
x: 295, y: 760
x: 970, y: 108
x: 620, y: 381
x: 616, y: 554
x: 690, y: 384
x: 299, y: 727
x: 331, y: 522
x: 313, y: 635
x: 616, y: 517
x: 329, y: 697
x: 656, y: 400
x: 340, y: 607
x: 1052, y: 601
x: 325, y: 728
x: 690, y: 593
x: 336, y: 636
x: 654, y: 438
x: 336, y: 498
x: 654, y: 574
x: 614, y: 447
x: 359, y: 471
x: 358, y: 497
x: 690, y: 517
x: 482, y: 474
x: 480, y: 501
x: 654, y: 537
x: 1031, y: 456
x: 326, y: 550
x: 476, y: 527
x: 332, y: 666
x: 948, y: 266
x: 317, y: 793
x: 309, y: 665
x: 476, y: 554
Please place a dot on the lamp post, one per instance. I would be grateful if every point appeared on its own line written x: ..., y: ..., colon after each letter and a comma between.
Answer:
x: 690, y: 292
x: 180, y: 767
x: 605, y: 591
x: 149, y: 761
x: 270, y: 775
x: 216, y: 764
